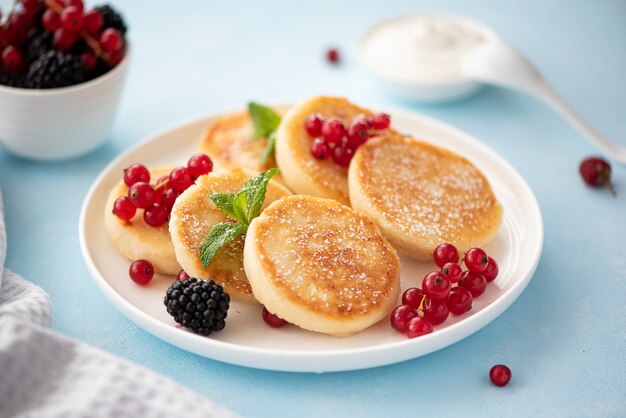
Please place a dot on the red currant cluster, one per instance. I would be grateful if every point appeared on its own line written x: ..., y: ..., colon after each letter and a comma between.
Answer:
x: 35, y: 27
x: 331, y: 138
x: 450, y: 290
x: 157, y: 201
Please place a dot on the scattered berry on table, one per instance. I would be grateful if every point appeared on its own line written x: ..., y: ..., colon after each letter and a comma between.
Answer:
x: 596, y: 172
x: 332, y: 55
x: 500, y: 375
x: 199, y: 305
x: 272, y: 320
x: 141, y: 271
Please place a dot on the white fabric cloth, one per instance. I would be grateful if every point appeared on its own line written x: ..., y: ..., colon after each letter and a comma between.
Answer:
x: 44, y: 374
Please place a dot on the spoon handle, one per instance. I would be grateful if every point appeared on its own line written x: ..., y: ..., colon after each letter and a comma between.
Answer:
x: 613, y: 150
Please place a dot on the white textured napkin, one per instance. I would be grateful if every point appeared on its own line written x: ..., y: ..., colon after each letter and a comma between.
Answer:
x: 44, y: 374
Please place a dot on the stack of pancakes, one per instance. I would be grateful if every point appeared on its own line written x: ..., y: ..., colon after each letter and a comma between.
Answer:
x: 325, y: 257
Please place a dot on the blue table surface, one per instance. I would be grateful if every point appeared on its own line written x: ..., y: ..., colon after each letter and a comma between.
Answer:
x: 564, y: 338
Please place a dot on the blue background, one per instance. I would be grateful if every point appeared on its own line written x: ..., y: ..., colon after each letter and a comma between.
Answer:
x: 565, y: 336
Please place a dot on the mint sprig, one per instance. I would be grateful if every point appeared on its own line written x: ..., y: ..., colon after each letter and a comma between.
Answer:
x: 242, y: 208
x: 265, y: 121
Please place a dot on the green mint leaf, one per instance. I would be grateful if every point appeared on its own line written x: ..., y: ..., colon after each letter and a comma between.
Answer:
x: 264, y: 119
x: 255, y: 190
x: 241, y: 207
x: 226, y: 203
x: 219, y: 235
x: 269, y: 148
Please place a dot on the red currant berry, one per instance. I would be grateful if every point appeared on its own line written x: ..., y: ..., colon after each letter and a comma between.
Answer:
x: 332, y: 55
x: 474, y: 282
x: 51, y: 20
x: 141, y: 194
x: 180, y: 179
x: 75, y: 3
x: 156, y: 215
x: 436, y: 286
x: 333, y: 131
x: 169, y: 196
x: 418, y: 326
x: 20, y: 21
x: 313, y: 125
x: 31, y: 6
x: 136, y: 173
x: 320, y: 149
x: 89, y: 59
x: 12, y: 59
x: 435, y: 311
x: 182, y: 275
x: 64, y: 39
x: 413, y: 297
x: 400, y: 316
x: 124, y: 209
x: 453, y: 271
x: 141, y: 271
x: 272, y: 320
x: 163, y: 182
x: 111, y: 40
x: 381, y: 121
x: 596, y: 172
x: 199, y: 164
x: 342, y: 155
x: 358, y: 132
x: 500, y: 375
x: 459, y: 300
x: 445, y: 253
x: 115, y: 57
x: 72, y: 19
x: 476, y: 260
x: 491, y: 272
x: 92, y: 21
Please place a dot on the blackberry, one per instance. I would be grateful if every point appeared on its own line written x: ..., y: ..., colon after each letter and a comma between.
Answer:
x: 13, y: 80
x: 55, y: 69
x: 200, y: 305
x: 111, y: 19
x: 39, y: 42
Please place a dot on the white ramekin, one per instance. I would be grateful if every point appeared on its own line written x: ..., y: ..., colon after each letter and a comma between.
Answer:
x: 61, y: 123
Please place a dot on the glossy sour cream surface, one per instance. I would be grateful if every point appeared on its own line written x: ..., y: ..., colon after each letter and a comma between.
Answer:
x: 422, y: 49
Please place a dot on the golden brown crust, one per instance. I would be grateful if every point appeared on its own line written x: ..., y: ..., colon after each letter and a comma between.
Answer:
x: 422, y: 195
x: 301, y: 172
x: 193, y: 216
x: 321, y: 265
x: 228, y: 141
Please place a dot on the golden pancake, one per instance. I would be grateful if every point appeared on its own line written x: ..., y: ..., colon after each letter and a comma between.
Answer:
x: 321, y: 266
x: 421, y: 195
x: 136, y: 239
x: 193, y: 216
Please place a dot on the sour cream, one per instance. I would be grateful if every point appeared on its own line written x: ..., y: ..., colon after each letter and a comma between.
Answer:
x: 425, y: 50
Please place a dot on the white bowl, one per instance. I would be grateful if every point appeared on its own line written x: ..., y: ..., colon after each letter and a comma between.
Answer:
x: 409, y: 87
x: 61, y: 123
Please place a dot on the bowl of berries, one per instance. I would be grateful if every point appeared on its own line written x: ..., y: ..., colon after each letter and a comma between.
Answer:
x: 62, y: 70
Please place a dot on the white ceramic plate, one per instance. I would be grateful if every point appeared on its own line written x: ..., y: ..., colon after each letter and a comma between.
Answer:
x: 247, y: 340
